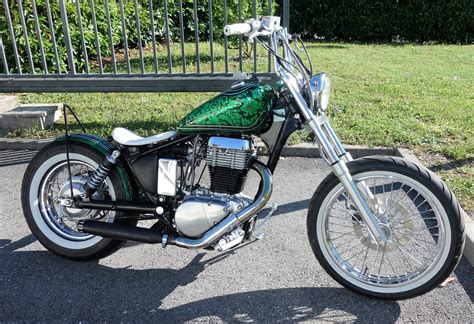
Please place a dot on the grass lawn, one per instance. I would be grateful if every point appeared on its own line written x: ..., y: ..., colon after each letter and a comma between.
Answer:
x: 413, y: 96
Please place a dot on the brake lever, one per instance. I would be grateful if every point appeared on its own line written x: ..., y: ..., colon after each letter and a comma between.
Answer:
x: 256, y: 34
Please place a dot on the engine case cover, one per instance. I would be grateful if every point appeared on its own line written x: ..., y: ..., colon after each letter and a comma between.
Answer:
x: 198, y: 213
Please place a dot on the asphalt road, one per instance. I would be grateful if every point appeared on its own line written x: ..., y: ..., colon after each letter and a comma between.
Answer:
x: 273, y: 280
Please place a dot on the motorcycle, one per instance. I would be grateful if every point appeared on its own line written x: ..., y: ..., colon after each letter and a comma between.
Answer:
x: 381, y: 226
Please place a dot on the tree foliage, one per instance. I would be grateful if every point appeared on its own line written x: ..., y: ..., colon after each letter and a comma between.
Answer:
x: 449, y: 21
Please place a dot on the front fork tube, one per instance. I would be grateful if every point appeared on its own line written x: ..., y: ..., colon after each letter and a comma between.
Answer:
x: 338, y: 157
x: 373, y: 201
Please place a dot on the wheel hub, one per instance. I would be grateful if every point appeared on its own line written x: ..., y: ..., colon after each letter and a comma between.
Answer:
x: 395, y: 225
x: 398, y: 223
x: 74, y: 214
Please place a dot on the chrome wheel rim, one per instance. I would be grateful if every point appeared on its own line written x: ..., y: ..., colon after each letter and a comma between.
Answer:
x: 55, y: 185
x: 412, y: 218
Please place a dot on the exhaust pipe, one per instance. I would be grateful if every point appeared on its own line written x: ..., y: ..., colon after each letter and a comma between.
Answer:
x: 145, y: 235
x: 120, y: 232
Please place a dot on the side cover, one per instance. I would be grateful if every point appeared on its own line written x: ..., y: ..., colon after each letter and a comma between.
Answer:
x: 243, y: 109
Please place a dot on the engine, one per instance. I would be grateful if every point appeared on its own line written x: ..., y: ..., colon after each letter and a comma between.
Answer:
x: 228, y: 162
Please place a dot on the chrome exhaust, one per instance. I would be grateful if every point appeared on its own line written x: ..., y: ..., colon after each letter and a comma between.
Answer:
x: 233, y: 220
x: 145, y: 235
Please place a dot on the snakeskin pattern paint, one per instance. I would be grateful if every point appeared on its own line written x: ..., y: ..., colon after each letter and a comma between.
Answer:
x: 243, y: 109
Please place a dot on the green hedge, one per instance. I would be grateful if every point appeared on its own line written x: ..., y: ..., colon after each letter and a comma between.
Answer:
x: 116, y: 26
x: 449, y: 21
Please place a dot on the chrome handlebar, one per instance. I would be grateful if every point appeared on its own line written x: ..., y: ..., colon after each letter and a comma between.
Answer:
x: 266, y: 24
x: 285, y: 67
x: 239, y: 29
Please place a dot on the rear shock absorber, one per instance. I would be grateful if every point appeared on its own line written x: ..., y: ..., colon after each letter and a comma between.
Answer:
x: 99, y: 175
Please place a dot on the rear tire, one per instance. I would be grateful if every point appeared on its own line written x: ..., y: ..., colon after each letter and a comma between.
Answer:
x: 53, y: 225
x: 425, y: 224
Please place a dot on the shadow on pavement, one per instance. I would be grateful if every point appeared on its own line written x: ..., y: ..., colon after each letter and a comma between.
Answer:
x: 11, y: 157
x: 286, y: 208
x: 37, y: 285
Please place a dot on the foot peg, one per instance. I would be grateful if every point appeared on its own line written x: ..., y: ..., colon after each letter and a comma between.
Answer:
x: 257, y: 232
x: 230, y: 240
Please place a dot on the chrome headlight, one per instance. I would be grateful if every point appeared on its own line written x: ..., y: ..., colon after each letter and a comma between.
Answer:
x: 321, y: 89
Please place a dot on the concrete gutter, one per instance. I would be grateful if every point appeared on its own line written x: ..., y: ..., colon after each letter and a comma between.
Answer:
x: 299, y: 150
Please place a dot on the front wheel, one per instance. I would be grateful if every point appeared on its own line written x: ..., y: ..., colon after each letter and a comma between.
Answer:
x: 417, y: 212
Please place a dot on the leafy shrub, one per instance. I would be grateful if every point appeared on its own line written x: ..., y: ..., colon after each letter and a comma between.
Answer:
x: 115, y: 26
x: 450, y: 21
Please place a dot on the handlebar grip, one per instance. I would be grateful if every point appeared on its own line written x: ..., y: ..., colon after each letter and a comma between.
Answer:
x: 237, y: 29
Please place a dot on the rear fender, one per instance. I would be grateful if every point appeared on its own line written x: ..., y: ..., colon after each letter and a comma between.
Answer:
x: 105, y: 148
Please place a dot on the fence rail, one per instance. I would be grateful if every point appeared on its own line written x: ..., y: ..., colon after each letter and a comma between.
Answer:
x: 127, y: 45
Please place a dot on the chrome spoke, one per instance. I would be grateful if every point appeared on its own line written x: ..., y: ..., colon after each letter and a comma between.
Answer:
x: 381, y: 261
x: 347, y: 249
x: 342, y: 235
x: 356, y: 255
x: 423, y: 229
x: 409, y: 218
x: 55, y: 185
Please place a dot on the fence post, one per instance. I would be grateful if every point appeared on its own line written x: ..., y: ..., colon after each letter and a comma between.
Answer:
x: 286, y: 14
x: 25, y: 34
x: 67, y: 37
x: 3, y: 57
x: 12, y: 35
x: 96, y: 73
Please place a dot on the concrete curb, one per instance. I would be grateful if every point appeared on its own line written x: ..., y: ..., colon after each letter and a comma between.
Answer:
x: 312, y: 150
x: 468, y: 222
x: 23, y: 143
x: 299, y: 150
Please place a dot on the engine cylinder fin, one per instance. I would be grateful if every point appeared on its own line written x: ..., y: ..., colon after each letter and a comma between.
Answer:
x: 227, y: 180
x: 228, y: 160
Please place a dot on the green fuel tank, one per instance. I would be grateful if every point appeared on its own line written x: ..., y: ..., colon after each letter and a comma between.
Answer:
x: 243, y: 109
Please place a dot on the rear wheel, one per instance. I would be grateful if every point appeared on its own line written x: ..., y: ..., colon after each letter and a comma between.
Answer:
x: 46, y: 181
x: 417, y: 212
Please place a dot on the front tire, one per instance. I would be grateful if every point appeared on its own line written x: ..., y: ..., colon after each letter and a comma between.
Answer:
x: 419, y: 214
x: 46, y: 180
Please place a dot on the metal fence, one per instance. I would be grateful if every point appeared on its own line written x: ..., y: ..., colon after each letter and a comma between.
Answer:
x: 87, y: 47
